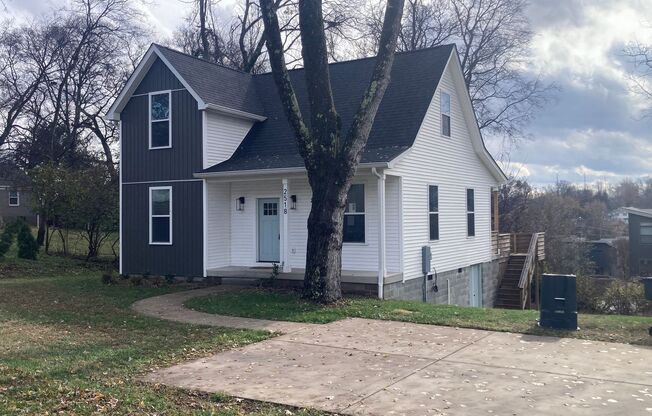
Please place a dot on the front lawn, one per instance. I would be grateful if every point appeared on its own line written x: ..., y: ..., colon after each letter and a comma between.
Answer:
x: 287, y: 306
x: 70, y: 345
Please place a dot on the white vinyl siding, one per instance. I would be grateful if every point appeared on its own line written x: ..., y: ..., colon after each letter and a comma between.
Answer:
x: 355, y: 256
x: 223, y: 136
x: 218, y: 223
x: 454, y: 166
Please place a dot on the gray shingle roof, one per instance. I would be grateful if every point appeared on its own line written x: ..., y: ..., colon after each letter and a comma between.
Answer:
x: 415, y: 75
x: 216, y: 84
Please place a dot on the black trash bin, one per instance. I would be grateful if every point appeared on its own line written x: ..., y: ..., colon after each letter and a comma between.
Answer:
x: 558, y: 301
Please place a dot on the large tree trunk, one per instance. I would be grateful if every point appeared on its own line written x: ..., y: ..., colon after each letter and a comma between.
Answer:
x: 324, y: 250
x: 331, y: 159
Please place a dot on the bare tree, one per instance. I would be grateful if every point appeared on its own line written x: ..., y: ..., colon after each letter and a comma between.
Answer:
x: 331, y: 158
x: 75, y: 64
x: 640, y: 56
x: 238, y: 41
x: 492, y: 37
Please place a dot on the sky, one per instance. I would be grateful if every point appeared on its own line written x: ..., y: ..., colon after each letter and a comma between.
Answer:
x: 593, y: 131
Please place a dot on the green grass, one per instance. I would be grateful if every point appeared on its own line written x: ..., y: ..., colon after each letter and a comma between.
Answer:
x: 288, y: 306
x: 70, y: 345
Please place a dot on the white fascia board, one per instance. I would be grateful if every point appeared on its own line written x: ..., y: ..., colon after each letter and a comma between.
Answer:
x: 220, y: 109
x: 472, y: 120
x: 139, y: 73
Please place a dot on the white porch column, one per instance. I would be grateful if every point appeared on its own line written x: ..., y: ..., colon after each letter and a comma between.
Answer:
x: 382, y: 268
x: 285, y: 242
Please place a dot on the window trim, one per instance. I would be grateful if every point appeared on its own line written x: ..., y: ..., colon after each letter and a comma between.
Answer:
x: 645, y: 224
x: 466, y: 202
x: 169, y: 119
x: 17, y: 204
x: 151, y: 217
x: 364, y: 213
x: 447, y: 114
x: 433, y: 212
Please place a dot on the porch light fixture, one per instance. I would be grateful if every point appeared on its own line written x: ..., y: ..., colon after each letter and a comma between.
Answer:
x: 293, y: 200
x: 239, y: 203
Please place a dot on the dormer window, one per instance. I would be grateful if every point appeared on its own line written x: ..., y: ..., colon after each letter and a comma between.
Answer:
x: 160, y: 132
x: 445, y: 108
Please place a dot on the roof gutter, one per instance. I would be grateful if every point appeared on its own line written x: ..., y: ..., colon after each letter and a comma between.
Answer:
x: 261, y: 172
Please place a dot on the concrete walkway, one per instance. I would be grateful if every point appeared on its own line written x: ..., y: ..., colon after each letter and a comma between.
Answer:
x: 170, y: 307
x: 360, y: 366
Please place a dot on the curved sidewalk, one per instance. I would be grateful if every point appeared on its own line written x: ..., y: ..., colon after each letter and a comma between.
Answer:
x: 171, y: 308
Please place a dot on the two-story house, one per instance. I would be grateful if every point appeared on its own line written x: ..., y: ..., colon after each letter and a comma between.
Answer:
x: 212, y: 183
x: 640, y: 241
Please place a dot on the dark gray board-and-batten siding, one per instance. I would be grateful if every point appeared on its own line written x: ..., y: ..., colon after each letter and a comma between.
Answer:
x: 640, y: 255
x: 142, y: 168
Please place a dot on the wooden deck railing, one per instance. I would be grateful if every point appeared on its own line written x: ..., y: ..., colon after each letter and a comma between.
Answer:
x: 500, y: 244
x: 529, y: 267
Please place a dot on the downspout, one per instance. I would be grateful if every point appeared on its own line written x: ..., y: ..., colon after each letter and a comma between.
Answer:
x: 381, y: 230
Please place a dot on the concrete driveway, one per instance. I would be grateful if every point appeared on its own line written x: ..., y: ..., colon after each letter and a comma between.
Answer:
x: 368, y: 367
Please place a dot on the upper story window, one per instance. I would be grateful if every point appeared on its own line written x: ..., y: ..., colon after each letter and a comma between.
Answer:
x: 445, y: 108
x: 160, y: 215
x: 354, y: 215
x: 646, y: 233
x: 470, y: 212
x: 433, y: 211
x: 160, y: 132
x: 14, y: 198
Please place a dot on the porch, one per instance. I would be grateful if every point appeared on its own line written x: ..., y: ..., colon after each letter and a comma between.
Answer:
x: 262, y: 272
x: 255, y: 221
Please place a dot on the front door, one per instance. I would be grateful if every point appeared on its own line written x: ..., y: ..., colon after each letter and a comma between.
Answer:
x: 268, y: 230
x: 475, y: 286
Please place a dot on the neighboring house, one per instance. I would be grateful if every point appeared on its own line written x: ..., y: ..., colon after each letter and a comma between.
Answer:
x: 605, y: 257
x: 212, y: 183
x: 640, y: 241
x: 16, y: 202
x: 619, y: 214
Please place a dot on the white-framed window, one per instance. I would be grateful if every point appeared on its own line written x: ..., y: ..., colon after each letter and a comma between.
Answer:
x: 14, y: 198
x: 160, y: 215
x: 445, y: 109
x: 470, y: 212
x: 354, y: 215
x: 433, y: 212
x: 160, y: 120
x: 646, y: 233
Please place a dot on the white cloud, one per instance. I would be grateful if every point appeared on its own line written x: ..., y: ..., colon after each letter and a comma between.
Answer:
x: 582, y: 44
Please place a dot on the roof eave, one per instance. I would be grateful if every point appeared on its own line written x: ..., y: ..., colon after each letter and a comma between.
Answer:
x: 220, y: 109
x: 257, y: 172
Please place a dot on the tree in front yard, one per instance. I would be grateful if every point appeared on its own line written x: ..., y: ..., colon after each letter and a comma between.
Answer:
x: 331, y: 156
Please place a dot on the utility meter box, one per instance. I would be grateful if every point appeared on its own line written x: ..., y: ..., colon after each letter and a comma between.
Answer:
x: 426, y: 260
x: 647, y: 283
x: 558, y: 301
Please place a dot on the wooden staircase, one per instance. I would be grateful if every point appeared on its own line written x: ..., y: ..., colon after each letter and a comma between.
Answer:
x: 520, y: 278
x: 509, y: 294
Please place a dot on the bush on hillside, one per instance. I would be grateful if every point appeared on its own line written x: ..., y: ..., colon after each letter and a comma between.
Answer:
x: 27, y: 245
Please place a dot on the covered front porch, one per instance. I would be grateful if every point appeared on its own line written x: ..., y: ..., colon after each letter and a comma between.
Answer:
x: 253, y: 222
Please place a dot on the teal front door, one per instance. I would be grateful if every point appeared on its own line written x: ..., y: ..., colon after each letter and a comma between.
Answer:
x: 268, y: 230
